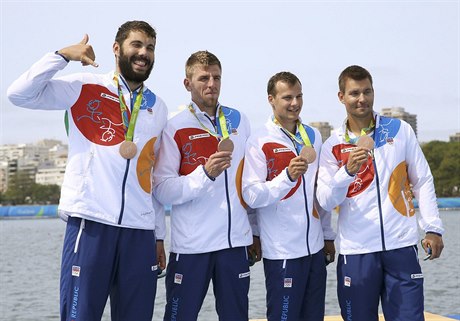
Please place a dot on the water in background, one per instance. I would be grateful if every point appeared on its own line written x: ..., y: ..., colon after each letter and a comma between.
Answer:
x: 30, y: 251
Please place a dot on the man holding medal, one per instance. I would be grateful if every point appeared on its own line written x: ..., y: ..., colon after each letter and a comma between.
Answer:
x: 371, y: 168
x: 279, y: 182
x: 113, y: 244
x: 198, y: 172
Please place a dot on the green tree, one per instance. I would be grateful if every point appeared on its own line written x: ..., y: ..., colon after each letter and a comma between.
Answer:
x: 443, y: 160
x: 20, y: 188
x: 46, y: 194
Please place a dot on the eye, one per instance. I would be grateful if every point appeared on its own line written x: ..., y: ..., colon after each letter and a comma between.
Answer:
x: 354, y: 94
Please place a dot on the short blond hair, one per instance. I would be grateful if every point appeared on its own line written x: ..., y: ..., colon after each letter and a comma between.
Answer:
x: 204, y: 58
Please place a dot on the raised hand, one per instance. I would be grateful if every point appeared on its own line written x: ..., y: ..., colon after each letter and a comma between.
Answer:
x: 217, y: 163
x: 297, y: 166
x: 357, y: 158
x: 80, y: 52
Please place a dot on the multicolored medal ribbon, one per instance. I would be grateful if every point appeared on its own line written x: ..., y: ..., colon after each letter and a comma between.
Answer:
x: 128, y: 148
x: 307, y: 152
x: 363, y: 140
x: 225, y: 143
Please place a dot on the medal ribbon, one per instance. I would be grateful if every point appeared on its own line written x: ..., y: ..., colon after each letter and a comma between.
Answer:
x: 222, y: 122
x: 303, y: 133
x: 364, y: 131
x: 129, y: 124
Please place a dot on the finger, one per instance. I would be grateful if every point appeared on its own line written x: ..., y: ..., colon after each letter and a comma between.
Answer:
x: 85, y: 60
x: 85, y: 39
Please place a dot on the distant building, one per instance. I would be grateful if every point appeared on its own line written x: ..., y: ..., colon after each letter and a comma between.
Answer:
x: 454, y: 138
x: 51, y: 173
x: 3, y: 176
x: 324, y: 129
x: 44, y: 162
x: 398, y: 112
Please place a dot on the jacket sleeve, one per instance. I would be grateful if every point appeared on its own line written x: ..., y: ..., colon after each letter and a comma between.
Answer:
x: 333, y: 181
x: 257, y: 191
x: 169, y: 187
x: 421, y: 179
x: 326, y: 218
x: 252, y: 216
x: 160, y: 220
x: 36, y: 88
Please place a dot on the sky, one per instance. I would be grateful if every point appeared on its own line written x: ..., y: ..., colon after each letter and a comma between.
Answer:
x: 411, y: 48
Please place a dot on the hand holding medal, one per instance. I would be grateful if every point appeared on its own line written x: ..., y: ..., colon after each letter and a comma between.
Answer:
x: 368, y: 143
x: 225, y: 145
x: 308, y: 153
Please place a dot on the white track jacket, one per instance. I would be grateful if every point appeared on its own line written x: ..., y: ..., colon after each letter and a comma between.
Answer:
x: 376, y: 212
x: 207, y: 215
x: 99, y: 184
x: 289, y: 224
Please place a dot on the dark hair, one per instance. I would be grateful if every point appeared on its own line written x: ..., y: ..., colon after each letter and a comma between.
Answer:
x: 202, y: 57
x: 127, y: 27
x: 284, y: 76
x: 354, y: 72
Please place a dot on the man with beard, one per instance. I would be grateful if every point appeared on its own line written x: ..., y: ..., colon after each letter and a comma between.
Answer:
x: 199, y: 173
x: 115, y: 229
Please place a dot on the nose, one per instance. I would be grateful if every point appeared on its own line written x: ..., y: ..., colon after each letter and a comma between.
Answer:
x: 295, y: 101
x: 142, y: 51
x: 211, y: 81
x: 362, y: 97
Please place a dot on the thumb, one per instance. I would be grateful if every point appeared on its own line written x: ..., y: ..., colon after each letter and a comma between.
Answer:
x: 85, y: 39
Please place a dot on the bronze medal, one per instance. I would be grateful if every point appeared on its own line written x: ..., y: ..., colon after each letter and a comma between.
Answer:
x: 128, y: 149
x: 225, y: 145
x: 308, y: 153
x: 366, y: 142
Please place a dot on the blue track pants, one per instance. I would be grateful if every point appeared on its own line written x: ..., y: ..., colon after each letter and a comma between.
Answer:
x: 187, y: 282
x: 99, y: 260
x: 394, y: 277
x: 296, y: 288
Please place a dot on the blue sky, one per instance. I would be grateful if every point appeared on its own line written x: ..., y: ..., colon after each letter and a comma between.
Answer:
x: 410, y: 47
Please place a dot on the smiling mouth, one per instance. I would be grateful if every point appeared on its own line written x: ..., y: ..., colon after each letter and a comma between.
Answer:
x: 141, y: 63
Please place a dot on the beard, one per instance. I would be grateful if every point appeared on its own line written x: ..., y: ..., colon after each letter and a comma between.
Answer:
x: 126, y: 69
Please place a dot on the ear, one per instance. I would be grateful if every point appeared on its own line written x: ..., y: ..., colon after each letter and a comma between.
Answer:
x: 340, y: 95
x: 187, y: 84
x: 270, y: 100
x: 116, y: 49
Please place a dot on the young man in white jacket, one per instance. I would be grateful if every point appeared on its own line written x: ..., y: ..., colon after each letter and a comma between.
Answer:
x: 279, y: 183
x: 198, y: 172
x: 113, y: 242
x: 370, y: 168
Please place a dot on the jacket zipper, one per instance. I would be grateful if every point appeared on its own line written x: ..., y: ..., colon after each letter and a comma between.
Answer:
x: 227, y: 196
x: 304, y: 195
x: 379, y: 199
x: 382, y: 235
x: 128, y: 161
